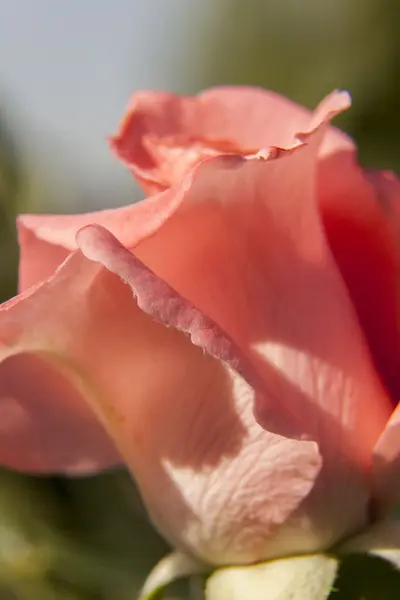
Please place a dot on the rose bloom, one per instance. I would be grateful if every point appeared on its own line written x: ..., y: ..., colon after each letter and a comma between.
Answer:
x: 233, y: 338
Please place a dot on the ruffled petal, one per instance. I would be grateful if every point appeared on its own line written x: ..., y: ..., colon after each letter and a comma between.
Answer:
x: 180, y: 418
x: 256, y: 261
x: 163, y: 136
x: 253, y: 239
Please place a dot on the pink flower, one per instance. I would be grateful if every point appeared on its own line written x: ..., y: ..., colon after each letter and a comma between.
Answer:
x: 235, y: 334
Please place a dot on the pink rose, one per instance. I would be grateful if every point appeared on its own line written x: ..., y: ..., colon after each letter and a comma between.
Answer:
x: 235, y: 334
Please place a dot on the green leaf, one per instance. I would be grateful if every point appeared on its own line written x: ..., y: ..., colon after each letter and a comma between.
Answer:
x: 364, y: 577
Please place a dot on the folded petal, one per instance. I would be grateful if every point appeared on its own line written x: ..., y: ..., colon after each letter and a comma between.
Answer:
x: 181, y: 418
x: 299, y: 578
x: 162, y: 136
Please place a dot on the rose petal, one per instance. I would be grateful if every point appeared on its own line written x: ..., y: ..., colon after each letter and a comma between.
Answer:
x: 363, y: 230
x: 264, y: 461
x: 387, y: 187
x: 323, y: 386
x: 299, y: 578
x: 38, y: 259
x: 181, y: 418
x: 257, y: 262
x: 373, y: 272
x: 162, y: 136
x: 386, y: 466
x: 45, y: 424
x: 282, y: 301
x: 216, y: 266
x: 46, y: 240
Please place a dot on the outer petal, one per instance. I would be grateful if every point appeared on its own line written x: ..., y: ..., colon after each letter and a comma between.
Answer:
x: 214, y: 481
x: 163, y: 135
x: 299, y: 578
x: 46, y: 425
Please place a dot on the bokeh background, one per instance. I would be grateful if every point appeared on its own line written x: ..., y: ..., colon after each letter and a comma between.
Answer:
x: 67, y: 70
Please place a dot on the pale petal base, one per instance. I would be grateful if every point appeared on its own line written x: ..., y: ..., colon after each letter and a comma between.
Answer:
x: 300, y: 578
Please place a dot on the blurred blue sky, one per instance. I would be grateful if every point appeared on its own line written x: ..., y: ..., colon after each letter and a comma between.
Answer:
x: 67, y: 70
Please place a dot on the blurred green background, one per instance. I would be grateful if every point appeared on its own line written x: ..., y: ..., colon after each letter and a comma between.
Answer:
x: 89, y: 538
